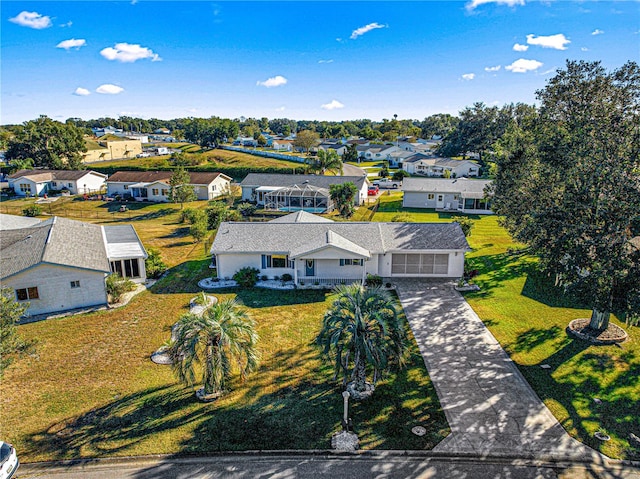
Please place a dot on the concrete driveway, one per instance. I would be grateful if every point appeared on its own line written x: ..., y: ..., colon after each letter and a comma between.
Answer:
x: 490, y: 407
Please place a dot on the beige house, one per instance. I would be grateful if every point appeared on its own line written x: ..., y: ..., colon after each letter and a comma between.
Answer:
x: 122, y: 148
x: 61, y: 264
x: 154, y: 185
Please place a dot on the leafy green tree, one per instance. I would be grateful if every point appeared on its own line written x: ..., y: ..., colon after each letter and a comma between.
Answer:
x: 209, y: 133
x: 576, y: 168
x: 247, y: 209
x: 440, y: 125
x: 182, y: 191
x: 361, y: 329
x: 49, y: 143
x: 399, y: 175
x: 326, y: 160
x: 223, y: 336
x: 465, y: 223
x: 154, y: 265
x: 11, y: 344
x: 198, y: 229
x: 306, y: 140
x: 217, y: 212
x: 262, y: 141
x: 344, y: 196
x: 351, y: 154
x: 21, y: 164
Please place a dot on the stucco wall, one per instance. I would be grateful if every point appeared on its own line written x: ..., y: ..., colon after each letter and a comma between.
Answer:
x: 54, y: 288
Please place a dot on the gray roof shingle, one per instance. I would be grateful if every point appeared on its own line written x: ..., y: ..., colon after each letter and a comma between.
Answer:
x: 465, y: 186
x: 279, y: 180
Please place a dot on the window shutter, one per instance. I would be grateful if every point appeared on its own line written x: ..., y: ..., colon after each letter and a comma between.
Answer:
x: 264, y: 261
x: 341, y: 262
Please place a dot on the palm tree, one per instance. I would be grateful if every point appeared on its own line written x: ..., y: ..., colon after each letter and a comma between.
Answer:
x: 362, y: 327
x: 224, y: 334
x: 327, y: 160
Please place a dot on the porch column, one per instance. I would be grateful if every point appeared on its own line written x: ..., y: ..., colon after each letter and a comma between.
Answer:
x: 295, y: 271
x: 364, y: 271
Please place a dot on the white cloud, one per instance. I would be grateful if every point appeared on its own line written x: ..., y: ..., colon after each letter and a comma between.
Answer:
x: 109, y: 89
x: 31, y: 20
x: 367, y: 28
x: 333, y: 105
x: 81, y: 92
x: 557, y: 42
x: 597, y: 31
x: 523, y: 66
x: 325, y: 61
x: 492, y: 69
x: 476, y: 3
x: 128, y: 53
x: 72, y: 43
x: 584, y: 49
x: 520, y: 48
x: 468, y: 76
x: 281, y: 108
x: 272, y: 82
x: 68, y: 24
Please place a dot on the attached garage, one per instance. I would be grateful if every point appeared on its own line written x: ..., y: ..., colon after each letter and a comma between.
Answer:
x: 407, y: 264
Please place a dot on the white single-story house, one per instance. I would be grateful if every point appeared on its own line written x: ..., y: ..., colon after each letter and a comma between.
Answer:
x: 465, y: 195
x: 430, y: 165
x: 61, y: 264
x: 319, y: 251
x: 297, y: 192
x: 41, y: 182
x: 282, y: 145
x: 337, y: 147
x: 375, y: 152
x: 154, y: 185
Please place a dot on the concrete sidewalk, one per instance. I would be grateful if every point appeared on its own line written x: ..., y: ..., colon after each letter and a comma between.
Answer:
x: 490, y: 407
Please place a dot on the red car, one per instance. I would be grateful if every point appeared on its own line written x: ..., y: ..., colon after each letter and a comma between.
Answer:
x: 373, y: 190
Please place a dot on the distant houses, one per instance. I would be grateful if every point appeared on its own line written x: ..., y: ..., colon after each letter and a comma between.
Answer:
x: 41, y: 182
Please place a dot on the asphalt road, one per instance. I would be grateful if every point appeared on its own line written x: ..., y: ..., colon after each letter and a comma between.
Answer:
x: 388, y: 466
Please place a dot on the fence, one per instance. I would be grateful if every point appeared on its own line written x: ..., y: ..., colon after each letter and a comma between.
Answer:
x: 266, y: 154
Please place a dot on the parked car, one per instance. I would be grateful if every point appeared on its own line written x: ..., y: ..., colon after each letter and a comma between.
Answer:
x: 373, y: 190
x: 8, y: 460
x: 143, y: 155
x: 387, y: 183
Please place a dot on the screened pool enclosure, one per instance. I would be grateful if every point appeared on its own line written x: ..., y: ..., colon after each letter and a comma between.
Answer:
x: 299, y: 197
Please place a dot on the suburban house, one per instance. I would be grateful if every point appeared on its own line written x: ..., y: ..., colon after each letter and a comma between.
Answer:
x: 282, y: 145
x: 61, y: 264
x: 112, y: 148
x: 41, y: 182
x: 431, y: 165
x: 339, y: 148
x: 297, y: 192
x: 154, y: 185
x: 456, y: 194
x: 317, y: 251
x: 375, y: 152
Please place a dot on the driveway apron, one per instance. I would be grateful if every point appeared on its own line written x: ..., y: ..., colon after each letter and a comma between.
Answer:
x: 490, y: 407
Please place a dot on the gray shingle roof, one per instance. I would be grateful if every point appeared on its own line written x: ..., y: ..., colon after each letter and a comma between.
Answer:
x: 58, y: 241
x: 373, y: 237
x: 196, y: 178
x: 301, y: 217
x: 13, y: 222
x: 48, y: 175
x: 268, y: 179
x: 329, y: 239
x: 465, y: 186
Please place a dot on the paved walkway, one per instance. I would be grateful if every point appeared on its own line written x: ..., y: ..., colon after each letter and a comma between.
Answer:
x: 490, y: 407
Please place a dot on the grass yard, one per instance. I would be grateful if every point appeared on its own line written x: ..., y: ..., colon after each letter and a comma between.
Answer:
x: 528, y: 316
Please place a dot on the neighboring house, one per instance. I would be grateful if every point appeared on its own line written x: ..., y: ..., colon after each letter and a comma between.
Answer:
x: 113, y: 149
x: 397, y: 157
x: 154, y: 185
x: 282, y: 145
x: 41, y: 182
x: 297, y: 192
x: 319, y: 251
x: 107, y: 130
x: 460, y: 194
x: 61, y: 264
x: 337, y: 147
x: 431, y: 165
x: 375, y: 152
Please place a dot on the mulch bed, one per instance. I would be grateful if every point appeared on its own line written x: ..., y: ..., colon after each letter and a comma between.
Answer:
x: 612, y: 335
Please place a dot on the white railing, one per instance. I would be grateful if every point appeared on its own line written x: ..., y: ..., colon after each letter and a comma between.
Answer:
x: 308, y: 281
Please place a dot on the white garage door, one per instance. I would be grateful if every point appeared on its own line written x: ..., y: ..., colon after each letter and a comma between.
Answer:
x: 419, y: 264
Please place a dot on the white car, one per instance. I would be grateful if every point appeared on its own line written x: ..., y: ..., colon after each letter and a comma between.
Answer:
x: 8, y: 461
x: 387, y: 183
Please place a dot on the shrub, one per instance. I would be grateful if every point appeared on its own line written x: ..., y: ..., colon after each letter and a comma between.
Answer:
x: 190, y: 215
x: 201, y: 299
x: 401, y: 218
x: 246, y: 277
x: 264, y: 277
x: 247, y: 209
x: 287, y: 277
x: 33, y: 210
x: 399, y: 175
x: 154, y: 264
x: 117, y: 286
x: 373, y: 280
x: 198, y: 230
x: 465, y: 223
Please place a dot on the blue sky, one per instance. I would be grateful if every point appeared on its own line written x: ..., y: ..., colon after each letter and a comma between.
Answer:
x: 302, y: 60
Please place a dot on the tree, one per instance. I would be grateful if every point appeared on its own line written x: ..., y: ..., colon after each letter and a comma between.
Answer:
x: 11, y: 344
x: 326, y: 160
x: 223, y: 336
x: 209, y: 133
x: 351, y: 154
x: 153, y: 265
x: 182, y: 190
x: 344, y: 195
x: 576, y: 168
x: 465, y: 223
x: 399, y: 175
x: 198, y: 229
x: 49, y: 143
x: 306, y: 140
x: 362, y: 328
x: 439, y: 125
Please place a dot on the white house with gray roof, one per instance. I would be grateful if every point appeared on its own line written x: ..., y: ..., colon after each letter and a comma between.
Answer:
x: 435, y: 166
x: 465, y: 195
x: 315, y: 250
x: 60, y: 264
x: 41, y: 182
x: 297, y: 192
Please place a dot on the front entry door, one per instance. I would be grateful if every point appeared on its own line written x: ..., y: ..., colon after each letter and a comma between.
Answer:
x: 440, y: 202
x: 309, y: 267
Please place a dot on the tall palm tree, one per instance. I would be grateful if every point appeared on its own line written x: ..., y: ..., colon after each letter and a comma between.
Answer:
x: 362, y: 327
x: 223, y: 335
x: 326, y: 160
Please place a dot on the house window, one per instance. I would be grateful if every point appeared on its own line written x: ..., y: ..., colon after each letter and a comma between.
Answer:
x: 125, y: 187
x: 127, y: 268
x: 165, y: 192
x: 75, y: 284
x: 154, y: 191
x: 276, y: 261
x: 54, y: 184
x: 70, y: 185
x: 350, y: 262
x: 431, y: 196
x: 25, y: 188
x: 26, y: 294
x: 213, y: 187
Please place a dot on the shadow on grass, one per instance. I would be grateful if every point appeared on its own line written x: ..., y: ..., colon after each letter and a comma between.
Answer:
x: 540, y: 287
x: 496, y: 269
x: 264, y: 298
x: 183, y: 278
x: 534, y: 337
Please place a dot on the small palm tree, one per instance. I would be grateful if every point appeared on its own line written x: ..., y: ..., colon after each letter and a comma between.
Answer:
x: 224, y: 334
x: 362, y: 327
x: 327, y: 160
